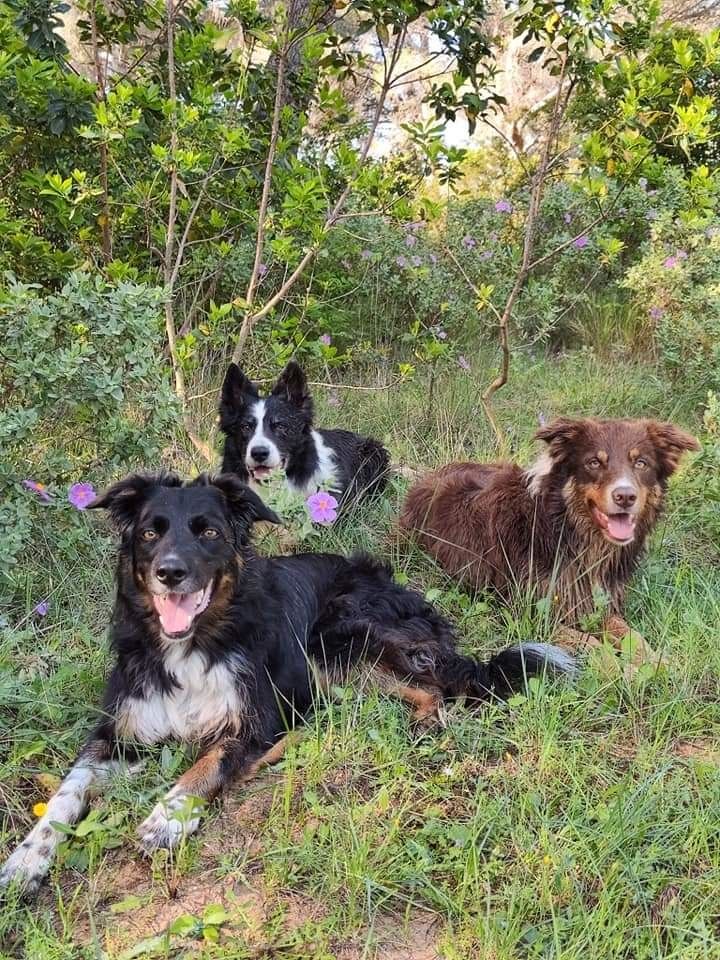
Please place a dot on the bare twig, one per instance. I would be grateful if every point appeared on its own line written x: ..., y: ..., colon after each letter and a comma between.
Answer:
x: 101, y: 96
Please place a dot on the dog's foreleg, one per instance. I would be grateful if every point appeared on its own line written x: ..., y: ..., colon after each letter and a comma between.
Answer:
x: 30, y: 862
x: 178, y: 814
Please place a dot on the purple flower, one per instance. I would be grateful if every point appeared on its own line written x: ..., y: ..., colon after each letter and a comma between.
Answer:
x: 712, y: 232
x: 433, y: 258
x: 401, y: 262
x: 542, y: 420
x: 322, y: 507
x: 469, y: 242
x: 333, y: 398
x: 567, y: 217
x: 365, y: 254
x: 652, y: 214
x: 416, y: 225
x: 503, y: 206
x: 38, y: 488
x: 410, y: 240
x: 463, y: 363
x: 81, y: 495
x: 670, y: 262
x: 681, y: 254
x: 486, y: 255
x: 656, y: 312
x: 262, y: 269
x: 581, y: 242
x: 325, y: 339
x: 441, y: 335
x: 42, y: 608
x: 416, y: 261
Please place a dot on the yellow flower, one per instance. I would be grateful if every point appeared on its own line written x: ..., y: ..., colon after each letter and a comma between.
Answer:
x: 547, y: 860
x: 40, y: 809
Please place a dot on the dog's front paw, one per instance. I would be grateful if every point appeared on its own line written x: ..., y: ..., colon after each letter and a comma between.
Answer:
x: 175, y: 817
x: 27, y: 866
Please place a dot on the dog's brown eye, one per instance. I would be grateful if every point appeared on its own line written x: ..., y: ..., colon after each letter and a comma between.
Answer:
x: 594, y: 463
x: 210, y: 533
x: 640, y: 463
x: 149, y: 535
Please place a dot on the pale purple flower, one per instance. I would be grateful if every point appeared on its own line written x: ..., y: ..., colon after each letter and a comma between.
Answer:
x: 656, y: 312
x: 567, y: 217
x: 401, y: 262
x: 542, y: 419
x: 581, y: 242
x: 410, y: 240
x: 38, y: 488
x: 41, y: 608
x: 503, y: 206
x: 681, y: 254
x: 262, y: 269
x: 322, y: 507
x: 469, y: 242
x: 325, y: 339
x: 433, y: 258
x: 486, y: 255
x: 652, y: 214
x: 415, y: 225
x: 81, y: 495
x: 441, y: 335
x: 670, y: 262
x: 333, y: 398
x: 365, y: 254
x: 712, y: 232
x: 416, y: 261
x: 463, y: 363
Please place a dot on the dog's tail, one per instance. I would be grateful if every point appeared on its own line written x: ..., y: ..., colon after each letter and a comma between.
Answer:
x: 505, y: 673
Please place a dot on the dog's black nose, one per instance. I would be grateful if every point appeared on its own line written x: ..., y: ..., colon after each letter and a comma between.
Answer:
x: 260, y: 454
x: 171, y: 571
x: 624, y: 496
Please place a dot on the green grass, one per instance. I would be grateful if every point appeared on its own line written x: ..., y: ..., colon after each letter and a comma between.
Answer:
x: 577, y: 821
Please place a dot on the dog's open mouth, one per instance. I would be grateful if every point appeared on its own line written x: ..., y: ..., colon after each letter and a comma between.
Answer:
x: 178, y: 611
x: 261, y: 473
x: 618, y: 527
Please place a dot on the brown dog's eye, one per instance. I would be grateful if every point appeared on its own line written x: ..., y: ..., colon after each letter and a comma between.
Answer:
x: 210, y: 533
x: 594, y: 463
x: 149, y: 535
x: 640, y: 463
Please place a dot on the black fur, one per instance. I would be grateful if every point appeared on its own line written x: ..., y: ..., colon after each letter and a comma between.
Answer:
x: 361, y: 463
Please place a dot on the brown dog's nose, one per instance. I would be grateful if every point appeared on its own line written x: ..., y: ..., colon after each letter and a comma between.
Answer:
x: 624, y: 496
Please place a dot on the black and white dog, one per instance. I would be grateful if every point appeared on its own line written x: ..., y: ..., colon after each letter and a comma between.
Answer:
x: 263, y: 434
x: 218, y: 647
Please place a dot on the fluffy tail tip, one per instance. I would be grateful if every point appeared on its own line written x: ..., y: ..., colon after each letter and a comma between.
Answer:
x: 511, y: 667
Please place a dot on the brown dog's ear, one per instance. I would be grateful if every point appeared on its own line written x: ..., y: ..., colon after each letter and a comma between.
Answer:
x: 560, y: 434
x: 671, y: 443
x: 123, y: 499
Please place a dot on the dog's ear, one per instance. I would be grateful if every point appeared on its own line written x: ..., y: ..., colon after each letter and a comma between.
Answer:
x: 561, y: 435
x: 670, y: 443
x: 236, y: 389
x: 292, y: 385
x: 123, y: 499
x: 244, y: 503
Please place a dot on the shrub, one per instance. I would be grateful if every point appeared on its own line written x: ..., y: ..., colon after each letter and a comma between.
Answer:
x: 678, y: 282
x: 84, y: 395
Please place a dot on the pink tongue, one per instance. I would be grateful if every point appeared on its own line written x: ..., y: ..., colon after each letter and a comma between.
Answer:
x: 620, y: 526
x: 176, y: 611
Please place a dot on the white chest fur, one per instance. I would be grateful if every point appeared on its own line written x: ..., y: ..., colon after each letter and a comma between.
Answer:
x: 325, y: 476
x: 205, y: 702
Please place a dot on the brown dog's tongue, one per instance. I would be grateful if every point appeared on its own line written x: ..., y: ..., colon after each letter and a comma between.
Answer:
x: 621, y: 526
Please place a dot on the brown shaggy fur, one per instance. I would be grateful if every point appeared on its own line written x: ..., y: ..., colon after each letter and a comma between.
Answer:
x: 499, y: 526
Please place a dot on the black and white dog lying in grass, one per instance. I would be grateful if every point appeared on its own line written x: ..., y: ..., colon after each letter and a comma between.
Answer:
x: 275, y: 432
x: 217, y: 647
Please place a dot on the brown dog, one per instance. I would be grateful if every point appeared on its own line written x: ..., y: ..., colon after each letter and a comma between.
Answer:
x: 571, y: 526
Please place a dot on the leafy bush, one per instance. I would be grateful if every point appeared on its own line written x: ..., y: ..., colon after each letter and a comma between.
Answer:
x: 678, y: 283
x: 84, y: 394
